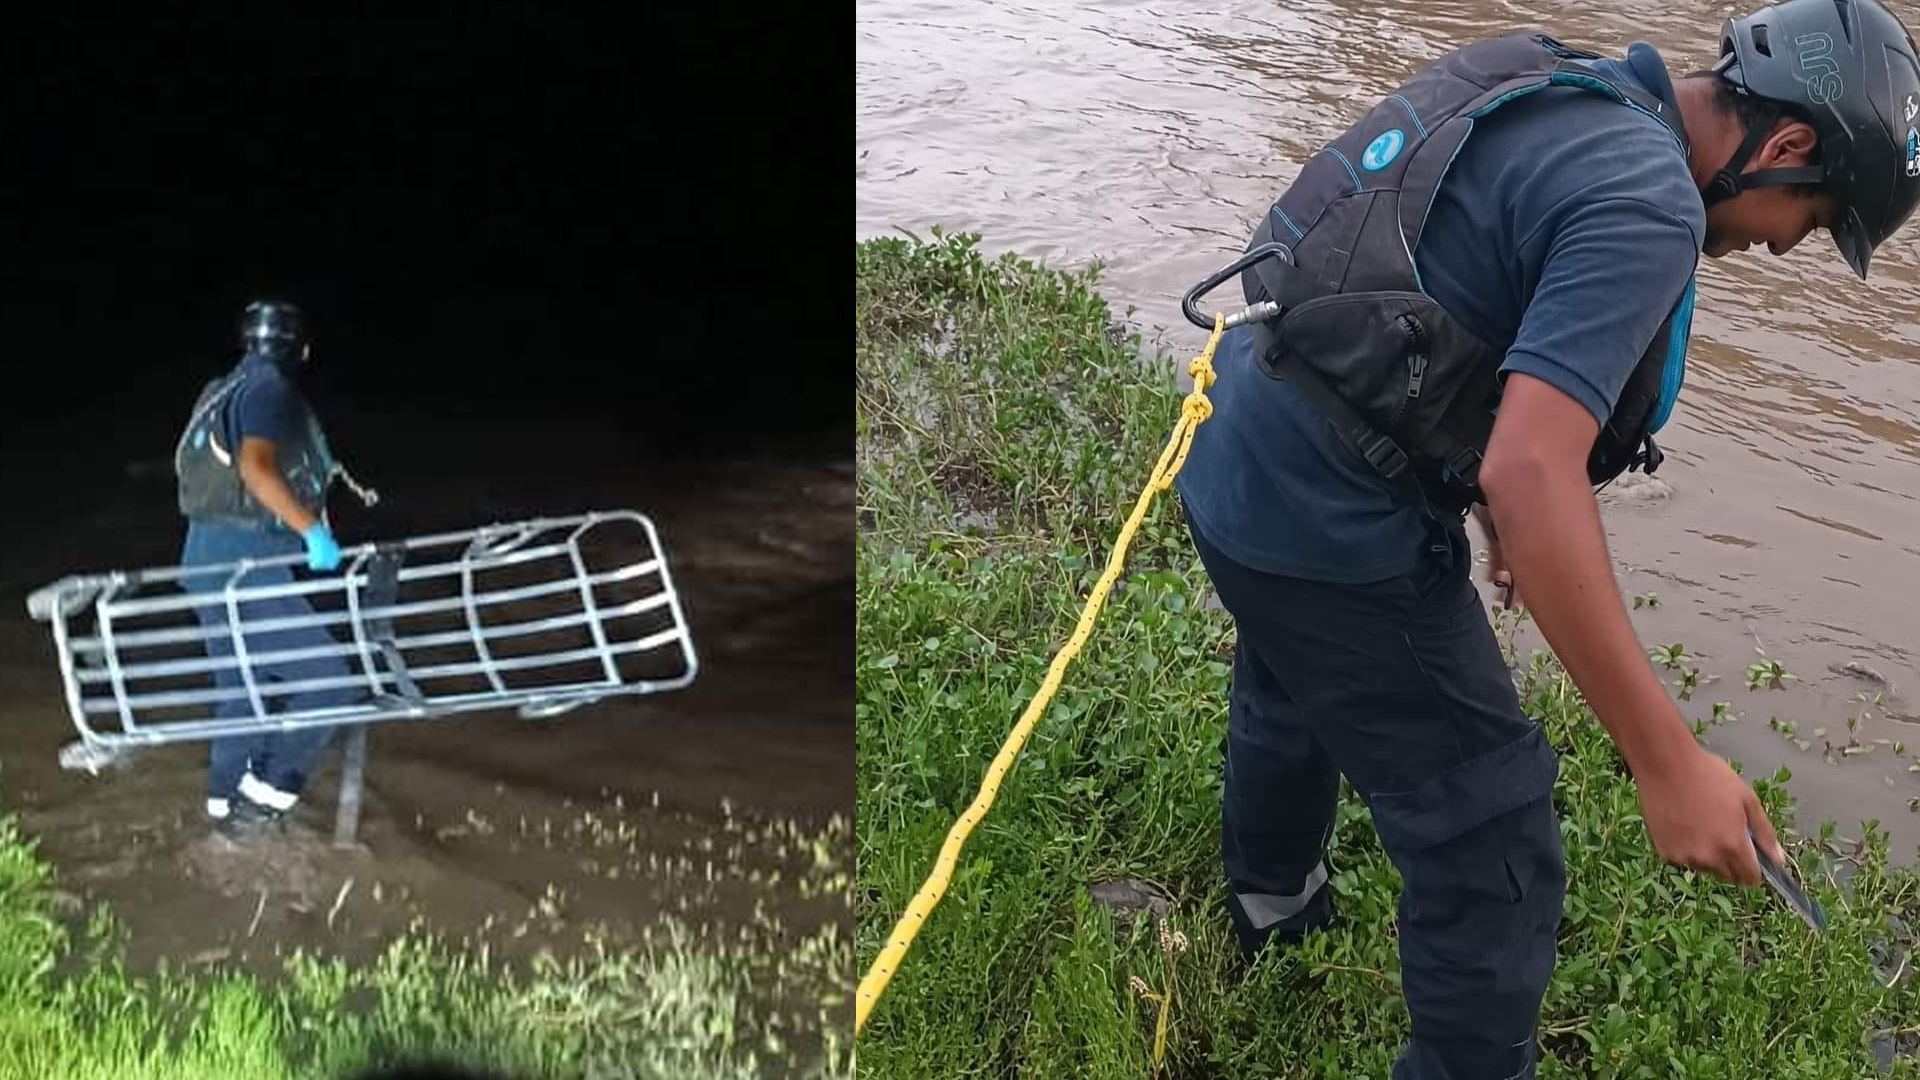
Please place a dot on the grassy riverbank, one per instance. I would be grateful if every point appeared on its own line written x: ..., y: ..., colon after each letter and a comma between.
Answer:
x: 684, y: 1006
x: 1004, y: 428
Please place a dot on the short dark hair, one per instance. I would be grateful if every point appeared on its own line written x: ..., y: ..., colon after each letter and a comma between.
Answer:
x: 1748, y: 110
x: 1744, y: 108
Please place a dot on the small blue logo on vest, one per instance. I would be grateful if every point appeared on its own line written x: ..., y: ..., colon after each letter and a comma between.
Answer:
x: 1382, y: 150
x: 1913, y: 152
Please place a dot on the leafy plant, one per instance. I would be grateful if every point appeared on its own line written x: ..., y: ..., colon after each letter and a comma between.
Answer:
x: 1687, y: 683
x: 1669, y: 656
x: 1768, y: 673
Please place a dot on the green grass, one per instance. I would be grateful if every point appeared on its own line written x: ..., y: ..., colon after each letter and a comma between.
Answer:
x: 688, y: 1004
x: 1004, y: 428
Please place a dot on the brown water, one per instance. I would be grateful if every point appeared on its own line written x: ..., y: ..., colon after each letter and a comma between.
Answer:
x: 1152, y: 137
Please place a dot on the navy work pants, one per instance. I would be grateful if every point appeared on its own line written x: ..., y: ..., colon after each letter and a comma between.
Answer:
x: 1399, y: 686
x: 283, y: 759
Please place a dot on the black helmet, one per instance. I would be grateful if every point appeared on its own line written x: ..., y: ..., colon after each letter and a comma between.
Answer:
x: 275, y: 330
x: 1848, y: 68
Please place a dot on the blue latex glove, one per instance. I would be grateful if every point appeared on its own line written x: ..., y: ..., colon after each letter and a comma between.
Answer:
x: 322, y: 552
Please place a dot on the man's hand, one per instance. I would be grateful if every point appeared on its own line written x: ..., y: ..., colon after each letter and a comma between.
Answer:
x: 322, y: 552
x: 1497, y: 570
x: 1698, y: 812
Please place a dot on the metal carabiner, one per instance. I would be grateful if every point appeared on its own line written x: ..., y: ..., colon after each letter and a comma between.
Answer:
x: 1260, y: 312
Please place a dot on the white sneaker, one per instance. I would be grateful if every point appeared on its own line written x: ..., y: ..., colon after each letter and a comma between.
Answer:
x: 266, y: 794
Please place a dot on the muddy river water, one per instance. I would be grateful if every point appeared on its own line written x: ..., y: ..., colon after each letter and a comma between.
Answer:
x: 1152, y: 136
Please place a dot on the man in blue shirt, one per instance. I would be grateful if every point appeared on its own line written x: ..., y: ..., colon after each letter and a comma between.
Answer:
x: 254, y: 470
x: 1563, y: 234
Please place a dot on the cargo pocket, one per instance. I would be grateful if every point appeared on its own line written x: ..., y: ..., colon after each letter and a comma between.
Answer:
x: 1488, y: 889
x: 1466, y: 796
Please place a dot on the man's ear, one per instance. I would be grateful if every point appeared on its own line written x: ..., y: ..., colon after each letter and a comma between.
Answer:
x: 1790, y: 144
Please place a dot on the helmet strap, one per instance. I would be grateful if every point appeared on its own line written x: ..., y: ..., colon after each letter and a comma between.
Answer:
x: 1798, y: 174
x: 1729, y: 181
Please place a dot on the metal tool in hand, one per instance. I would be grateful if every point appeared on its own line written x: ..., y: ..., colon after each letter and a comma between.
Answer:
x: 1803, y: 905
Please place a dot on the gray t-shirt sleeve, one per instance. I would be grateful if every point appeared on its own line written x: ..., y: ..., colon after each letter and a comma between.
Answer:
x: 1614, y: 269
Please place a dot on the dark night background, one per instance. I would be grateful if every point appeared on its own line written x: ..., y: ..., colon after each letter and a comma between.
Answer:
x: 500, y: 212
x: 555, y: 258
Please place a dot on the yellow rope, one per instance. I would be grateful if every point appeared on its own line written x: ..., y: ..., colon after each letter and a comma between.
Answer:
x: 1193, y: 411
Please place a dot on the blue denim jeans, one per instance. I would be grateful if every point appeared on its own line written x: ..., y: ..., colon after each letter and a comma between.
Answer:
x: 283, y: 759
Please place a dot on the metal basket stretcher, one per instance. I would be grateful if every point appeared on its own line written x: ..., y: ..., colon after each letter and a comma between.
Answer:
x: 542, y: 616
